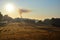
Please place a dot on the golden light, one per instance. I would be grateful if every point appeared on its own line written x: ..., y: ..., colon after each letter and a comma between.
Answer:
x: 9, y: 7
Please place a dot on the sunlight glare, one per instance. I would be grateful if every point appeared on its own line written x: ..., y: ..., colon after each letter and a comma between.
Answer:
x: 9, y: 7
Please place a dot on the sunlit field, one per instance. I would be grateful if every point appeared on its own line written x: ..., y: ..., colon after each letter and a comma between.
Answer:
x: 19, y: 31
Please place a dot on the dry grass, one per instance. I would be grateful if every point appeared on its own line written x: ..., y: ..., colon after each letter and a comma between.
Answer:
x: 17, y: 31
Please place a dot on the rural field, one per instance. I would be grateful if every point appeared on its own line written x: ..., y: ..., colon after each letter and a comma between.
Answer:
x: 19, y: 31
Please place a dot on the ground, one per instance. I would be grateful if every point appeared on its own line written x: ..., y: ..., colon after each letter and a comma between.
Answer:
x: 19, y: 31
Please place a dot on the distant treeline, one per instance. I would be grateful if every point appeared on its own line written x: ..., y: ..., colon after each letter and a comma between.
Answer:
x: 46, y: 22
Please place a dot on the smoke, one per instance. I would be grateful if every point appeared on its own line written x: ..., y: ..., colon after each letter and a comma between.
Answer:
x: 24, y: 10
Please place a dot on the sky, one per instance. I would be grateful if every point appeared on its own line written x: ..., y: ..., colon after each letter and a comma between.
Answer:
x: 40, y: 9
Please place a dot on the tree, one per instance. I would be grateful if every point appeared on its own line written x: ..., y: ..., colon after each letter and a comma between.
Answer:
x: 7, y: 18
x: 55, y: 22
x: 47, y: 22
x: 1, y: 16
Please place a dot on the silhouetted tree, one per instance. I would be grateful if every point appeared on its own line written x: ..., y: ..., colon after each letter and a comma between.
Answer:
x: 55, y: 22
x: 47, y: 21
x: 17, y: 20
x: 40, y: 23
x: 1, y: 16
x: 7, y: 18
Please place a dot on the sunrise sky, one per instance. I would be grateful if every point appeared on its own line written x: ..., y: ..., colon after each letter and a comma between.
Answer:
x: 40, y: 9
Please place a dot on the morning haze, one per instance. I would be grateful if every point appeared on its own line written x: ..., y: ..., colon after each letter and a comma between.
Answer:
x: 29, y: 19
x: 41, y: 9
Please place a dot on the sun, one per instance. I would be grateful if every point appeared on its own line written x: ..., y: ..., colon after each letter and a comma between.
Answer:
x: 9, y: 7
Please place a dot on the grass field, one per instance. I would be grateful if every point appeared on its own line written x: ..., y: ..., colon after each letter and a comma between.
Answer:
x: 18, y: 31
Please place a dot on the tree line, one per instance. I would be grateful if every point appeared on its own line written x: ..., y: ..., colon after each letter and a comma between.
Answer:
x: 52, y: 21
